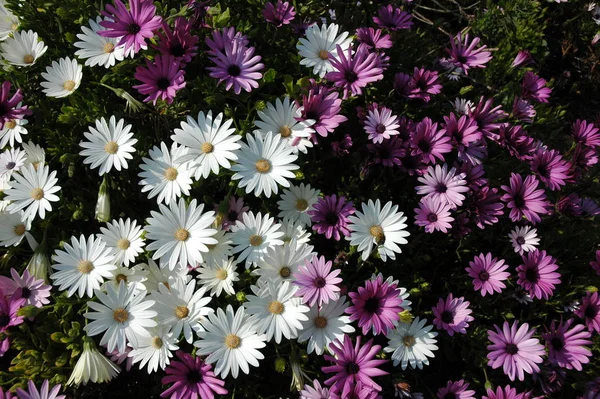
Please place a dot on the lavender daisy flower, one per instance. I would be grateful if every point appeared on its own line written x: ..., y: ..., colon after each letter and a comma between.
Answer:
x: 443, y: 184
x: 507, y: 392
x: 523, y: 110
x: 566, y: 347
x: 316, y: 391
x: 34, y: 291
x: 569, y: 205
x: 360, y: 390
x: 353, y: 364
x: 380, y: 124
x: 488, y: 274
x: 9, y: 308
x: 330, y: 216
x: 538, y: 274
x: 524, y: 239
x: 461, y: 131
x: 317, y: 282
x: 534, y: 88
x: 388, y: 153
x: 393, y: 18
x: 161, y: 78
x: 377, y: 305
x: 424, y: 83
x: 486, y: 116
x: 589, y: 207
x: 10, y: 109
x: 45, y: 392
x: 551, y: 379
x: 486, y: 206
x: 551, y: 168
x: 237, y: 67
x: 192, y: 378
x: 523, y: 58
x: 465, y: 55
x: 402, y: 84
x: 586, y: 133
x: 433, y: 214
x: 516, y: 141
x: 179, y: 42
x: 352, y: 73
x: 452, y: 315
x: 323, y: 106
x: 373, y: 38
x: 474, y: 175
x: 225, y: 37
x: 456, y: 390
x: 515, y: 350
x: 590, y: 311
x: 279, y: 14
x: 428, y: 141
x: 524, y: 199
x: 133, y: 26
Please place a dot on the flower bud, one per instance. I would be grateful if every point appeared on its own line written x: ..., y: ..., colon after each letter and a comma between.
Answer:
x: 103, y: 204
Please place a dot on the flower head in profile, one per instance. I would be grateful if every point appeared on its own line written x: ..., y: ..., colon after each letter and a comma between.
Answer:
x: 534, y: 88
x: 585, y: 133
x: 192, y: 377
x: 488, y: 274
x: 373, y: 38
x: 551, y: 168
x: 465, y: 54
x: 323, y: 106
x: 92, y: 366
x: 279, y: 14
x: 523, y: 58
x: 8, y: 310
x: 393, y: 18
x: 456, y: 390
x: 97, y: 49
x: 11, y: 108
x: 161, y: 78
x: 62, y: 78
x: 506, y: 392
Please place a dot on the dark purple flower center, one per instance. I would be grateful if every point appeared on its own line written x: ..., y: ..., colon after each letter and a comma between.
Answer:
x: 590, y: 312
x: 519, y: 201
x: 380, y: 128
x: 163, y: 83
x: 447, y: 317
x: 532, y: 275
x: 132, y: 29
x: 319, y: 282
x: 232, y: 216
x: 350, y: 76
x: 177, y: 50
x: 332, y: 218
x: 10, y: 165
x: 441, y: 188
x: 424, y: 145
x: 484, y: 276
x: 511, y: 349
x: 234, y: 70
x: 372, y: 305
x: 421, y: 84
x: 557, y: 343
x: 432, y: 217
x: 520, y: 240
x: 194, y: 377
x: 543, y: 171
x: 4, y: 320
x: 25, y: 292
x: 352, y: 368
x: 462, y: 59
x: 312, y: 114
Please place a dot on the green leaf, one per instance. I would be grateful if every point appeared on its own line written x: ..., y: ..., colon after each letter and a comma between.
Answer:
x: 465, y: 90
x: 270, y: 75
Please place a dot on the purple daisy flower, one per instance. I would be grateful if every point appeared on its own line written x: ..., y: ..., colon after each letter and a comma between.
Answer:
x: 359, y: 391
x: 323, y: 106
x: 179, y: 42
x: 486, y: 116
x: 388, y: 153
x: 551, y: 379
x: 279, y: 14
x: 586, y: 133
x: 443, y: 184
x: 317, y: 282
x: 433, y: 214
x: 595, y: 264
x: 200, y: 10
x: 161, y: 78
x: 353, y: 364
x: 428, y: 141
x: 488, y: 274
x: 523, y: 58
x: 523, y: 110
x: 590, y: 311
x: 381, y: 124
x: 234, y: 213
x: 566, y: 347
x: 330, y: 216
x: 474, y: 175
x: 237, y: 67
x: 423, y: 84
x: 584, y: 158
x: 486, y: 206
x: 589, y: 207
x: 373, y: 38
x: 393, y: 18
x: 474, y: 153
x: 569, y: 205
x: 452, y: 315
x: 402, y: 84
x: 551, y: 168
x: 515, y: 350
x: 314, y: 392
x: 524, y: 199
x: 192, y: 378
x: 221, y: 38
x: 7, y: 394
x: 538, y: 275
x: 592, y: 390
x: 456, y: 390
x: 34, y: 291
x: 507, y: 392
x: 341, y: 147
x: 376, y: 305
x: 516, y: 141
x: 45, y: 392
x: 9, y: 108
x: 465, y: 55
x: 352, y: 73
x: 462, y: 131
x: 534, y: 88
x: 9, y: 308
x: 133, y: 26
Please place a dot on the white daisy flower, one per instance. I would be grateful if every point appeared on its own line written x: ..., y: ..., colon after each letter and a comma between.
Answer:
x: 325, y: 325
x: 294, y: 231
x: 109, y: 145
x: 3, y: 187
x: 412, y: 343
x: 384, y: 228
x: 296, y: 202
x: 132, y: 277
x: 264, y: 162
x: 282, y: 118
x: 12, y: 131
x: 62, y: 78
x: 253, y: 236
x: 166, y: 174
x: 156, y: 349
x: 182, y: 307
x: 211, y: 142
x: 92, y: 366
x: 13, y: 228
x: 219, y: 252
x: 82, y: 266
x: 180, y: 233
x: 524, y: 239
x: 23, y: 48
x: 11, y: 161
x: 230, y: 341
x: 463, y: 106
x: 319, y: 47
x: 33, y: 190
x: 125, y: 238
x: 281, y: 262
x: 276, y: 311
x: 9, y: 23
x: 219, y: 277
x: 160, y: 275
x: 122, y: 315
x: 36, y: 155
x: 96, y: 49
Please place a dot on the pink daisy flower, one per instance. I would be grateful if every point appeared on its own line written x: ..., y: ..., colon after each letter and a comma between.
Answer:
x: 380, y: 124
x: 9, y: 308
x: 279, y: 14
x: 452, y: 315
x: 426, y: 140
x: 161, y: 78
x: 424, y: 84
x: 445, y: 185
x: 45, y: 392
x: 507, y: 392
x: 317, y: 282
x: 315, y: 392
x: 465, y: 54
x: 534, y: 88
x: 586, y: 133
x: 524, y: 199
x: 515, y: 350
x: 488, y: 274
x: 192, y: 378
x: 456, y: 390
x: 433, y: 214
x: 179, y: 42
x: 538, y: 275
x: 237, y: 67
x: 523, y: 110
x: 9, y: 106
x: 323, y: 106
x: 354, y: 72
x: 551, y: 168
x: 462, y: 131
x: 373, y: 38
x: 566, y: 347
x: 330, y: 216
x: 590, y: 311
x: 393, y: 18
x: 34, y: 291
x: 236, y: 209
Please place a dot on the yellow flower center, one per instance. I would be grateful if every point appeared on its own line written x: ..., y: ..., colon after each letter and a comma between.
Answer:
x: 301, y: 204
x: 221, y: 274
x: 108, y: 48
x: 171, y: 174
x: 120, y: 315
x: 207, y: 148
x: 20, y: 229
x: 111, y: 147
x: 123, y: 243
x: 263, y: 166
x: 409, y: 341
x: 285, y: 272
x: 182, y: 312
x: 85, y: 266
x: 232, y: 341
x: 255, y: 240
x: 37, y: 194
x: 285, y: 131
x: 69, y: 85
x: 121, y: 277
x: 28, y: 59
x: 182, y: 235
x: 157, y: 342
x: 276, y: 307
x: 377, y: 233
x: 320, y: 322
x: 324, y: 54
x: 10, y: 124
